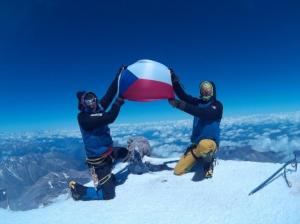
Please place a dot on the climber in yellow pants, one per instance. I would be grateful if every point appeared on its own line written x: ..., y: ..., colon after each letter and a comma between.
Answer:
x: 204, y: 150
x: 207, y: 112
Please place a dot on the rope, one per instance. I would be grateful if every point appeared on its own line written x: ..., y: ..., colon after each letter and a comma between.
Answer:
x: 100, y: 159
x: 104, y: 179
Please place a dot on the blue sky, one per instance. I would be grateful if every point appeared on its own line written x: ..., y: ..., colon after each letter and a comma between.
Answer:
x: 51, y: 49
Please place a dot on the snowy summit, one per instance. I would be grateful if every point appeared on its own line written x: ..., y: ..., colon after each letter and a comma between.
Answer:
x: 162, y: 197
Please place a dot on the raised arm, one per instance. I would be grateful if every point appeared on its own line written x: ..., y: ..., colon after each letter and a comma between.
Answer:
x: 91, y: 121
x: 210, y: 113
x: 180, y: 91
x: 111, y: 91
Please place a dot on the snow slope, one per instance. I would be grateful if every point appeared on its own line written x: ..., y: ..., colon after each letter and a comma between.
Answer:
x: 161, y: 197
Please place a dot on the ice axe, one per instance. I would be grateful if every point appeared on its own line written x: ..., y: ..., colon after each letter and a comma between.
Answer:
x: 292, y: 162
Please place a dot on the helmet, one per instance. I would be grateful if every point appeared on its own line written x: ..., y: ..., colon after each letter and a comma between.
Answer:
x: 206, y: 90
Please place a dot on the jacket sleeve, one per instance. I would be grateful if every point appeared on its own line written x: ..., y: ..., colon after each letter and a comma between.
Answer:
x: 211, y: 113
x: 91, y: 121
x: 182, y: 94
x: 110, y: 93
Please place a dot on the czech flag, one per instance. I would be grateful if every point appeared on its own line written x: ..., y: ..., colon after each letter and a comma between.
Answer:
x: 146, y: 80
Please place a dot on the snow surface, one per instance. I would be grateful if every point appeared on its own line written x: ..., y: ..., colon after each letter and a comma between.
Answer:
x: 162, y: 197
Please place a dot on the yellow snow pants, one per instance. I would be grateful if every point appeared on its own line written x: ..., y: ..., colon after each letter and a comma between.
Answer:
x: 187, y: 161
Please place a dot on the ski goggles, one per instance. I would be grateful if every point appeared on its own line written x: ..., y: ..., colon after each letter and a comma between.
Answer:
x: 88, y: 99
x: 90, y: 102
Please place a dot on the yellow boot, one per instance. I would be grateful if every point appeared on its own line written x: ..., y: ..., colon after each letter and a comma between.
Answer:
x: 186, y: 162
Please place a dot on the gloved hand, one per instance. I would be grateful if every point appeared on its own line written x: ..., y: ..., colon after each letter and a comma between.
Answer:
x: 119, y: 101
x: 173, y: 102
x: 174, y: 77
x: 177, y: 103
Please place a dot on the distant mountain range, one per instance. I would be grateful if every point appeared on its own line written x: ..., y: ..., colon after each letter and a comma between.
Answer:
x: 36, y: 178
x: 161, y: 197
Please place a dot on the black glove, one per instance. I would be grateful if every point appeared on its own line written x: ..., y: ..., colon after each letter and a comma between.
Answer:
x: 119, y: 101
x: 177, y: 103
x: 174, y: 77
x: 173, y: 102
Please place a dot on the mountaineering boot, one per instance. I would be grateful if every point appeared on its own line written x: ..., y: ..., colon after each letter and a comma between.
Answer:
x: 77, y: 190
x: 209, y: 173
x: 204, y: 149
x: 208, y: 170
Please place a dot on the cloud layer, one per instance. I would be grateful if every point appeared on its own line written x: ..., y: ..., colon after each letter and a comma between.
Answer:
x: 278, y: 133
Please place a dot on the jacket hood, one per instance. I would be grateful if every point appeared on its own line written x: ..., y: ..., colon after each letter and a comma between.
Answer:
x: 79, y: 96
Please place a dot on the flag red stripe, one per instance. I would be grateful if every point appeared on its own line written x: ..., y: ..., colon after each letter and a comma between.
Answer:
x: 147, y: 90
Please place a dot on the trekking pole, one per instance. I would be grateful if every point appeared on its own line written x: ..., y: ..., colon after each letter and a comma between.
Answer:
x: 293, y: 162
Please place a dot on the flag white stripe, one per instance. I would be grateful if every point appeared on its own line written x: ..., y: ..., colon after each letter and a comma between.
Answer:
x: 151, y: 70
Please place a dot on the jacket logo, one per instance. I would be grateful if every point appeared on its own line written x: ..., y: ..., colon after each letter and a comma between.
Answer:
x: 214, y: 107
x: 97, y: 115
